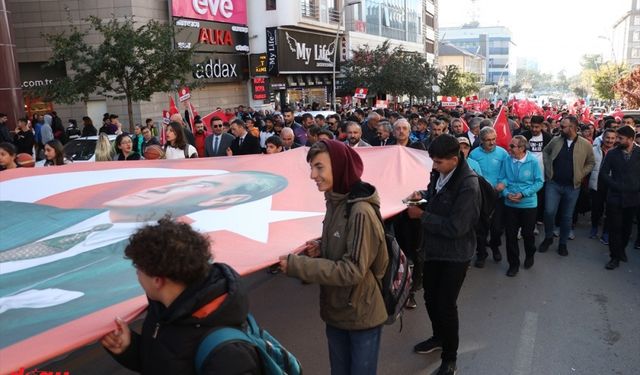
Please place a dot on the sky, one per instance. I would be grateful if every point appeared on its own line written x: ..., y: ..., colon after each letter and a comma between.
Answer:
x: 556, y: 33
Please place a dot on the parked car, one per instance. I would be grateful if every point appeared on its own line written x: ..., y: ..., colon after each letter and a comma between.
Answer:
x: 82, y: 149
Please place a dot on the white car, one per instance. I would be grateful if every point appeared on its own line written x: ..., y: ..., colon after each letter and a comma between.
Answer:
x: 82, y: 149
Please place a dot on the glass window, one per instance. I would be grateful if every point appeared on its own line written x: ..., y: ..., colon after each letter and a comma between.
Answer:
x: 636, y: 36
x: 271, y: 4
x: 635, y: 53
x: 373, y: 17
x: 636, y: 20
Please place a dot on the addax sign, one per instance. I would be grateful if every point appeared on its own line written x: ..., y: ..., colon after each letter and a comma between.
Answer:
x: 299, y: 52
x: 227, y: 11
x: 218, y: 67
x: 205, y: 36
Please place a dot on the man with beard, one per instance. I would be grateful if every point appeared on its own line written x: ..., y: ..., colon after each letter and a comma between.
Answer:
x: 538, y: 140
x: 354, y: 136
x: 24, y: 139
x: 567, y: 160
x: 370, y: 127
x: 597, y: 191
x: 384, y: 135
x: 457, y: 128
x: 217, y: 143
x: 437, y: 129
x: 620, y: 172
x: 298, y: 130
x: 200, y: 137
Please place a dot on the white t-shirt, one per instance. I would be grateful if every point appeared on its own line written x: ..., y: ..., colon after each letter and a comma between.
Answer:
x: 177, y: 153
x: 536, y: 143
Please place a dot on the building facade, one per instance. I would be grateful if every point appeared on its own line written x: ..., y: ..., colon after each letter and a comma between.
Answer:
x: 494, y: 43
x: 30, y: 19
x: 625, y: 41
x: 466, y: 61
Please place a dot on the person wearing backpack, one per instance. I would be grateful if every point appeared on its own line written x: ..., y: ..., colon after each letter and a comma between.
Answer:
x: 349, y: 261
x: 189, y: 297
x: 448, y: 219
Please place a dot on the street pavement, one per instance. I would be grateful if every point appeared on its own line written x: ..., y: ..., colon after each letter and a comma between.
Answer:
x: 566, y: 315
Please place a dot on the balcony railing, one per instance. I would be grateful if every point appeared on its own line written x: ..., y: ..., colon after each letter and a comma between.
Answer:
x: 310, y: 9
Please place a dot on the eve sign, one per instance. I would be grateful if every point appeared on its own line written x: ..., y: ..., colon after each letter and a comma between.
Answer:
x: 228, y: 11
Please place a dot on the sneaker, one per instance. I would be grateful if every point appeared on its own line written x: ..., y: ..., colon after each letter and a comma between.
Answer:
x: 594, y: 233
x: 556, y: 232
x: 528, y: 262
x: 572, y: 236
x: 496, y: 253
x: 519, y: 233
x: 544, y: 245
x: 428, y: 346
x: 605, y: 238
x: 411, y: 302
x: 562, y: 250
x: 447, y: 368
x: 613, y: 264
x: 479, y: 263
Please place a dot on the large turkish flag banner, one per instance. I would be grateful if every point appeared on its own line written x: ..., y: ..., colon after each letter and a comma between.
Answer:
x: 63, y: 277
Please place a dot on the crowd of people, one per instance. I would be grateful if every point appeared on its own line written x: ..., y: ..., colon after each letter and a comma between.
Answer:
x: 552, y: 169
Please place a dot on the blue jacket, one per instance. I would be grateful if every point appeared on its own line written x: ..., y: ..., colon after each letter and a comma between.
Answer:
x: 528, y: 180
x: 490, y: 163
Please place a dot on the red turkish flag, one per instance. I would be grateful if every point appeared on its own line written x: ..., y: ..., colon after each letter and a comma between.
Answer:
x: 503, y: 131
x: 465, y: 126
x: 276, y: 208
x: 172, y: 107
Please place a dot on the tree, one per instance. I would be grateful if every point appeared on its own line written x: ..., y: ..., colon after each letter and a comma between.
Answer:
x: 606, y: 77
x: 453, y: 82
x: 628, y: 88
x: 388, y: 71
x: 131, y: 63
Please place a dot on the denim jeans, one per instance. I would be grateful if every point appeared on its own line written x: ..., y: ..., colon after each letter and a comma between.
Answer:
x: 559, y: 199
x: 353, y: 352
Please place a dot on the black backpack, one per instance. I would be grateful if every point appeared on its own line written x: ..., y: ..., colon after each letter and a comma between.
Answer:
x: 395, y: 285
x: 489, y: 200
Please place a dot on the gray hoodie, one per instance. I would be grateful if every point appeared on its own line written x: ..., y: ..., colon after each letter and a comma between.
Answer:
x: 46, y: 133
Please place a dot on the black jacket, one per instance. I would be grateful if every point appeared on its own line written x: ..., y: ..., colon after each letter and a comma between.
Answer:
x: 622, y: 177
x: 450, y: 216
x: 24, y: 142
x: 250, y: 145
x: 378, y: 142
x: 171, y: 336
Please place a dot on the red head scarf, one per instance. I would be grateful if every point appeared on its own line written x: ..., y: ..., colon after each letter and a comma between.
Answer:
x: 346, y: 166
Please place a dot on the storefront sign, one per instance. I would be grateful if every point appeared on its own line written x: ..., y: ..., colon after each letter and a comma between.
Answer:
x: 258, y: 64
x: 205, y: 36
x: 260, y: 88
x: 216, y: 67
x: 33, y: 74
x: 227, y: 11
x: 299, y: 52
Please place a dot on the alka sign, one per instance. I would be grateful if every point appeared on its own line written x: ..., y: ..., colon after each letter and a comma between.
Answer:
x: 300, y: 52
x: 227, y: 11
x: 206, y: 36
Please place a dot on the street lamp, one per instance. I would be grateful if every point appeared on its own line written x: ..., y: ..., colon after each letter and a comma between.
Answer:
x: 335, y: 53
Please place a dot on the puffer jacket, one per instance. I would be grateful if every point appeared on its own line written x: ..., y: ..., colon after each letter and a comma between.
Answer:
x: 171, y: 336
x: 450, y: 216
x: 353, y: 261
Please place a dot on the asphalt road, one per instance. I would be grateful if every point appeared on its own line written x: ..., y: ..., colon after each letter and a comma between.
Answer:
x: 566, y: 315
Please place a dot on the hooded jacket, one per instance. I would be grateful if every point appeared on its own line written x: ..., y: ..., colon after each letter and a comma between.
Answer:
x: 450, y: 216
x: 171, y: 335
x: 46, y: 132
x: 353, y: 261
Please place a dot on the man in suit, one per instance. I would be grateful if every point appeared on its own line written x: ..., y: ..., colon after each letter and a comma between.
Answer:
x: 354, y: 136
x: 384, y: 135
x: 245, y: 143
x: 217, y: 143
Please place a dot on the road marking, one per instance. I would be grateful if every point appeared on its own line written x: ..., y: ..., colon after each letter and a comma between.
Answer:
x: 524, y: 355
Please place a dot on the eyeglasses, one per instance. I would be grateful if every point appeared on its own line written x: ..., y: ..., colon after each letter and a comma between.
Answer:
x: 216, y: 126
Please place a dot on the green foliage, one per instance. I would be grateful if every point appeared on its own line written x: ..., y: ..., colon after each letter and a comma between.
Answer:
x: 388, y: 71
x: 606, y: 77
x: 130, y: 63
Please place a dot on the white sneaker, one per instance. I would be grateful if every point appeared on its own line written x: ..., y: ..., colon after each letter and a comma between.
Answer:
x: 572, y: 236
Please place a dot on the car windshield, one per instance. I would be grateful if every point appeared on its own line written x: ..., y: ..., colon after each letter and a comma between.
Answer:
x: 80, y: 149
